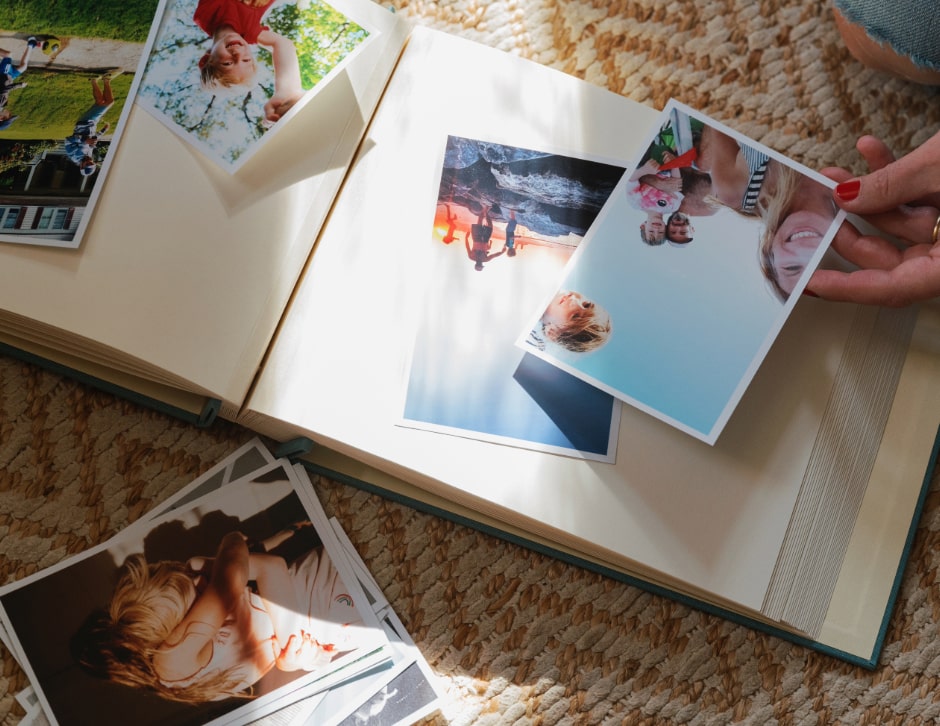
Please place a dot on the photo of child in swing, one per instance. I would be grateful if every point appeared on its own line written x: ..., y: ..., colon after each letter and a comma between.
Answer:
x: 224, y: 73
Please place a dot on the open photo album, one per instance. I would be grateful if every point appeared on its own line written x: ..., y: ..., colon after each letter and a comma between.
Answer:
x: 447, y: 300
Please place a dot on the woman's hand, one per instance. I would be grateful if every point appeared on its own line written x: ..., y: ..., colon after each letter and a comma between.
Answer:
x: 901, y: 197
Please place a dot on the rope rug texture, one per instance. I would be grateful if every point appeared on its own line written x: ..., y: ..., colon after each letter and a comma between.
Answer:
x: 521, y: 638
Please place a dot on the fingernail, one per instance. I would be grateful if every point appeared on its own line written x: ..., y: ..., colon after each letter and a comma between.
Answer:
x: 847, y: 191
x: 809, y: 293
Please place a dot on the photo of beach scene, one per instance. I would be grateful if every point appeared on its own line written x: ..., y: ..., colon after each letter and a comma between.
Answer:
x: 506, y: 221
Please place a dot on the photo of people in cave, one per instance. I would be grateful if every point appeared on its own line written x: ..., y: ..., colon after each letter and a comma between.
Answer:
x: 506, y: 221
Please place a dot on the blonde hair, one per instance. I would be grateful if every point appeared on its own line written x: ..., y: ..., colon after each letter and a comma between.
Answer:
x: 584, y: 330
x: 211, y: 78
x: 651, y: 238
x: 772, y: 207
x: 118, y: 643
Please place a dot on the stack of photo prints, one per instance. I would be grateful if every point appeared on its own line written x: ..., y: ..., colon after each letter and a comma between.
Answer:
x: 236, y: 599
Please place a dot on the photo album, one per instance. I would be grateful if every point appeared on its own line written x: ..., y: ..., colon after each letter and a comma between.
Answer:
x: 458, y: 278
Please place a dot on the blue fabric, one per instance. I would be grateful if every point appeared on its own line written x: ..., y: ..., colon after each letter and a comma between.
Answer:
x: 8, y: 69
x: 909, y: 27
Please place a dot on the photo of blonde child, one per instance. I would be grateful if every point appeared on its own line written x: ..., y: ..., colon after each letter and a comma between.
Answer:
x: 573, y: 322
x: 224, y: 73
x: 234, y: 27
x: 208, y: 612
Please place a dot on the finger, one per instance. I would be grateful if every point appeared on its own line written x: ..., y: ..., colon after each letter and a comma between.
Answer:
x: 915, y: 280
x: 869, y: 251
x: 896, y: 183
x: 877, y: 155
x: 913, y: 225
x: 875, y: 152
x: 871, y: 287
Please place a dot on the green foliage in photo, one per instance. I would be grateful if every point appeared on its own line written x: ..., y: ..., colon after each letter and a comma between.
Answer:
x: 128, y: 20
x: 322, y: 35
x: 40, y: 119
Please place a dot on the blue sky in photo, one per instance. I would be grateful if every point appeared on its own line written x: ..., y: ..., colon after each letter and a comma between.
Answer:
x: 687, y: 321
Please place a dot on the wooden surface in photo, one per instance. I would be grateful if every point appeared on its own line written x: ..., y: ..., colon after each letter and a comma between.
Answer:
x: 521, y: 638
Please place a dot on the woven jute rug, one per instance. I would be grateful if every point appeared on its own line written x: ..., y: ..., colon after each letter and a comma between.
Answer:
x: 521, y: 638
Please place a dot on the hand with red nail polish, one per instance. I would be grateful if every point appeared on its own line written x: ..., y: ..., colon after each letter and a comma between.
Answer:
x: 901, y: 198
x: 848, y: 190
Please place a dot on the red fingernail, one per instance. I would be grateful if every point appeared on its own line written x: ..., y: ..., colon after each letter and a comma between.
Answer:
x: 809, y: 293
x: 847, y: 191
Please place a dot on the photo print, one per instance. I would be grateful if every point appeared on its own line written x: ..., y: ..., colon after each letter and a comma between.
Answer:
x: 69, y: 72
x: 506, y: 221
x: 689, y: 273
x: 225, y: 74
x: 213, y: 612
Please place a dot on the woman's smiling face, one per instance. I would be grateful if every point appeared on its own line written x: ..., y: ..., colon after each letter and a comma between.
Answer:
x: 801, y: 232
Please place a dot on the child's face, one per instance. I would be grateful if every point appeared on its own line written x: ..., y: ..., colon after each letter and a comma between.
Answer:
x: 564, y: 307
x: 679, y: 229
x: 655, y: 226
x: 232, y: 59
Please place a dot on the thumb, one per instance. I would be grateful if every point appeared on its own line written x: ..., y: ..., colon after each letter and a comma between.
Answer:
x: 900, y: 182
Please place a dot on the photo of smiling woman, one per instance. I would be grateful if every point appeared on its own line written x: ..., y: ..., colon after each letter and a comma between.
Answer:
x: 694, y: 312
x: 796, y: 211
x: 796, y: 217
